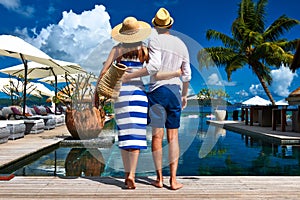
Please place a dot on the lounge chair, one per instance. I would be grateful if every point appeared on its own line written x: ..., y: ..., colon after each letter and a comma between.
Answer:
x: 4, y: 133
x: 50, y: 121
x: 59, y: 118
x: 32, y: 124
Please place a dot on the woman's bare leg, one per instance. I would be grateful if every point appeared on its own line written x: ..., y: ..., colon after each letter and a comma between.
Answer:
x: 130, y: 160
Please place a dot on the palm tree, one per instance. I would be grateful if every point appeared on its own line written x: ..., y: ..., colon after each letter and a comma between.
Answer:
x: 252, y: 44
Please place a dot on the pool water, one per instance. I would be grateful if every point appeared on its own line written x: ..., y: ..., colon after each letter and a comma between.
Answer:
x: 205, y: 150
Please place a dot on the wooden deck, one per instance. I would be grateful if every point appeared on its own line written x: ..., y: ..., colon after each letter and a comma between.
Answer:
x: 208, y: 187
x: 195, y: 187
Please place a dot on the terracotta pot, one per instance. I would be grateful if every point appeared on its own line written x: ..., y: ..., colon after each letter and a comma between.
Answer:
x: 85, y: 124
x: 84, y: 161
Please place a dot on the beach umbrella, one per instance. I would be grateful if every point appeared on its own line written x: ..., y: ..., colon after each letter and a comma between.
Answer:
x: 41, y: 66
x: 258, y: 101
x: 62, y: 78
x: 15, y: 47
x: 12, y: 86
x: 37, y: 70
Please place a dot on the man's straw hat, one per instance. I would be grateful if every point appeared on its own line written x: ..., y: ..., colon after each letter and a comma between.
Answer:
x: 131, y: 30
x: 162, y: 19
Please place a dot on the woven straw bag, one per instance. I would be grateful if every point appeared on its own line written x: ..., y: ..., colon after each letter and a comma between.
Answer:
x: 110, y: 84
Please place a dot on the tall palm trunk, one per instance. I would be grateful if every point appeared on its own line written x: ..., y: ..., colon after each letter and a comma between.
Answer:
x: 264, y: 85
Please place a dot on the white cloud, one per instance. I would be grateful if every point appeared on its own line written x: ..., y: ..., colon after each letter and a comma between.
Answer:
x: 256, y: 89
x: 15, y: 5
x: 10, y: 4
x: 242, y: 93
x: 282, y: 79
x: 214, y: 80
x: 81, y: 38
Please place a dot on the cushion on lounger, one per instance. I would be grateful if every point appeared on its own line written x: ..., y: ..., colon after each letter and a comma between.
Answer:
x: 39, y: 111
x: 15, y: 111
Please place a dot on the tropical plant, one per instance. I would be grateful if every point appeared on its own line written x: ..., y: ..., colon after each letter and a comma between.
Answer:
x: 252, y: 44
x: 78, y: 92
x: 209, y: 94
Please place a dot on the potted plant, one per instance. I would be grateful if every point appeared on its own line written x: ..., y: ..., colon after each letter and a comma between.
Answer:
x: 83, y: 119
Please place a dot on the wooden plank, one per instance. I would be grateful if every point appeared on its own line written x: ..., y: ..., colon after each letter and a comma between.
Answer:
x: 216, y: 187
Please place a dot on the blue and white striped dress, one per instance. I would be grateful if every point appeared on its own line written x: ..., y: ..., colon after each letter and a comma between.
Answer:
x: 131, y: 112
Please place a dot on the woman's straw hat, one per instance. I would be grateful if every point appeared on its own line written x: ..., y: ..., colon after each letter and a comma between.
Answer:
x: 131, y: 31
x: 162, y: 19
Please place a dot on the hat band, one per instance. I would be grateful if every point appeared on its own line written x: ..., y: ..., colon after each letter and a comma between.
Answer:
x: 129, y: 31
x: 162, y: 25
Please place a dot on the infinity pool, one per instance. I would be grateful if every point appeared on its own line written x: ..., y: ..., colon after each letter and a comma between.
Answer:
x: 205, y: 150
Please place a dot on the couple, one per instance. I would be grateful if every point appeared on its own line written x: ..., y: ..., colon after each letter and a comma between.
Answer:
x: 165, y: 60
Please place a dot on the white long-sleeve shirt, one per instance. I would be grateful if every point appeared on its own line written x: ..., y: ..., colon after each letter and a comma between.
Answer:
x: 168, y: 53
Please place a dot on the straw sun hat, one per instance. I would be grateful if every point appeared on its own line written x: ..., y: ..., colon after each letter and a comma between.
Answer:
x: 162, y: 19
x: 131, y: 30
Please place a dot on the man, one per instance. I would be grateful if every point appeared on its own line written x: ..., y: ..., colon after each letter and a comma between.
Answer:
x: 166, y: 97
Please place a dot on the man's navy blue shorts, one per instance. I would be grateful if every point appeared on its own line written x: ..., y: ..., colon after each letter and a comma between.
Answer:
x: 165, y: 107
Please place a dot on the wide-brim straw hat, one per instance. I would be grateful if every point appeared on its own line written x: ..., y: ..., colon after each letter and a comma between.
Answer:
x: 131, y: 30
x: 162, y: 19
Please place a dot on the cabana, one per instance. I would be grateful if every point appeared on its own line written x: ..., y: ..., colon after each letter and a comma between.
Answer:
x: 260, y: 111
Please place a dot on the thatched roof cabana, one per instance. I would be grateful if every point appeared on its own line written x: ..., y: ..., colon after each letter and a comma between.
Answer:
x: 294, y: 97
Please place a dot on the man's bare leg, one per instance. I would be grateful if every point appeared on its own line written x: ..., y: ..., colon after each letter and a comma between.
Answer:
x: 172, y: 135
x: 157, y: 138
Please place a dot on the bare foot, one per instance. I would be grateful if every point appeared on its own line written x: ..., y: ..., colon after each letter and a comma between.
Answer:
x: 158, y: 184
x: 129, y: 183
x: 175, y: 185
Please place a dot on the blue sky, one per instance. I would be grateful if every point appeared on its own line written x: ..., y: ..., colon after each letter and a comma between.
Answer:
x: 79, y: 31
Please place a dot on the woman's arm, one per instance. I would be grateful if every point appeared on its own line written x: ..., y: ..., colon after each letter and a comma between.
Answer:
x: 111, y: 57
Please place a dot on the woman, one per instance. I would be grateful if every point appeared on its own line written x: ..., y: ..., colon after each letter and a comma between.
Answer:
x: 132, y: 104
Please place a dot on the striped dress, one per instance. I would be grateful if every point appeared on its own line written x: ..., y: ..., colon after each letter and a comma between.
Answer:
x: 131, y: 112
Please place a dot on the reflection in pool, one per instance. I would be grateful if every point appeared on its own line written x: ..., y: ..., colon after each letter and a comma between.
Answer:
x: 205, y: 150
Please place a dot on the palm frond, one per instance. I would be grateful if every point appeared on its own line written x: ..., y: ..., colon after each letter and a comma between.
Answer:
x: 225, y: 39
x: 247, y: 13
x: 279, y: 27
x: 260, y: 13
x: 237, y: 62
x: 215, y: 56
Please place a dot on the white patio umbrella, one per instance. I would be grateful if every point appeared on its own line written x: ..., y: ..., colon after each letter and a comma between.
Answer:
x: 258, y: 101
x: 62, y: 78
x: 15, y: 47
x: 8, y: 85
x: 37, y: 70
x: 43, y: 90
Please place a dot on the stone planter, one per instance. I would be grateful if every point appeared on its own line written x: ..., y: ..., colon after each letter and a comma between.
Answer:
x: 220, y: 115
x: 85, y: 124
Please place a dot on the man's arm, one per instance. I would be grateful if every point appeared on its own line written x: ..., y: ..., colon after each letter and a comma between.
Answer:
x: 185, y: 87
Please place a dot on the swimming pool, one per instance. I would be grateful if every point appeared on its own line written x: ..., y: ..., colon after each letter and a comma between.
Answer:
x: 205, y: 150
